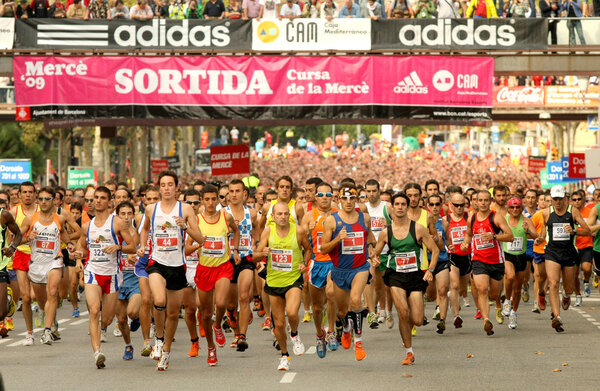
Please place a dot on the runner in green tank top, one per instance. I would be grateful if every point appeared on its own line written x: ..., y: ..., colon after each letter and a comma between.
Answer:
x: 7, y: 221
x: 406, y: 275
x: 281, y: 242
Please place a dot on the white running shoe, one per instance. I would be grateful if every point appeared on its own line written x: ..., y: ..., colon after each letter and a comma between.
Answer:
x: 466, y: 302
x: 163, y: 364
x: 578, y: 301
x: 28, y: 340
x: 103, y: 337
x: 512, y: 320
x: 381, y: 317
x: 99, y: 359
x: 284, y: 363
x: 46, y: 337
x: 117, y: 332
x: 298, y: 345
x: 389, y: 320
x: 157, y: 350
x: 506, y: 308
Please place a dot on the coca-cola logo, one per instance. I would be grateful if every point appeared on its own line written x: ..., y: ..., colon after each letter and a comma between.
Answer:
x: 520, y: 96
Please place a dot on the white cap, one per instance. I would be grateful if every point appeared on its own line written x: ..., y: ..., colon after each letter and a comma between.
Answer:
x: 557, y: 191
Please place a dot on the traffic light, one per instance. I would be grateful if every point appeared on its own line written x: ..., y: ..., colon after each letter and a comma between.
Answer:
x: 173, y: 149
x: 554, y: 154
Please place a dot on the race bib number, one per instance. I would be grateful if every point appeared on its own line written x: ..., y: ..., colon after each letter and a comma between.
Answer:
x: 515, y: 246
x: 457, y: 234
x: 244, y: 244
x: 214, y: 246
x: 44, y: 246
x: 193, y: 257
x: 97, y: 253
x: 127, y: 265
x: 377, y: 224
x: 282, y: 259
x: 166, y: 243
x: 319, y: 241
x: 406, y: 262
x: 481, y: 243
x: 559, y: 233
x: 354, y: 243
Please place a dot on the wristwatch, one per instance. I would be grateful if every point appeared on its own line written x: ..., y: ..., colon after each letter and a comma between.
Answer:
x: 494, y: 236
x: 185, y: 228
x: 430, y: 270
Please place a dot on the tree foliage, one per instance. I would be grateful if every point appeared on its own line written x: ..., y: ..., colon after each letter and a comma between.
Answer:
x: 13, y: 146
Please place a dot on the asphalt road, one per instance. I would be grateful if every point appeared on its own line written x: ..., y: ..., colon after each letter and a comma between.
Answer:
x: 532, y: 357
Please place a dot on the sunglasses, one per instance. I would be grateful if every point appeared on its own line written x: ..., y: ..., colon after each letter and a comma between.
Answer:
x: 347, y: 198
x: 458, y: 205
x: 576, y: 199
x: 45, y: 199
x: 223, y: 196
x: 363, y: 196
x: 435, y: 204
x: 193, y: 202
x: 324, y: 194
x: 514, y: 207
x: 89, y: 199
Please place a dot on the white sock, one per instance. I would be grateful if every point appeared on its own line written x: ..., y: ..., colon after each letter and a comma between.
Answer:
x: 409, y: 350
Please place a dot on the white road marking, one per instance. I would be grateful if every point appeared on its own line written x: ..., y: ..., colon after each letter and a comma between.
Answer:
x: 591, y: 319
x: 311, y: 350
x: 10, y: 339
x: 594, y: 323
x: 19, y: 342
x: 84, y: 313
x: 585, y: 315
x: 288, y: 377
x: 62, y: 321
x: 80, y: 321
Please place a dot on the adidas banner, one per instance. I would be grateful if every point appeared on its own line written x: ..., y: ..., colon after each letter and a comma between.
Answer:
x: 459, y: 34
x: 130, y: 34
x: 254, y: 88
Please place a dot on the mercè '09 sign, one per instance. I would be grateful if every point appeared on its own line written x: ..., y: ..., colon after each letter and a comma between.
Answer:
x: 230, y: 160
x: 255, y: 88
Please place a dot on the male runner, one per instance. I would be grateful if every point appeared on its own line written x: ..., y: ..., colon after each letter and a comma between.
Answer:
x: 585, y: 248
x: 166, y: 223
x: 283, y: 242
x: 561, y: 256
x: 529, y: 209
x: 488, y: 258
x: 7, y: 221
x: 346, y: 238
x: 99, y: 240
x: 594, y: 224
x: 406, y: 275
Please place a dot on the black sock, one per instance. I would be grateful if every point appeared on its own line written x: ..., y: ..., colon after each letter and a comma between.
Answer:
x: 243, y: 336
x: 586, y: 282
x: 293, y: 334
x: 161, y: 339
x: 285, y: 354
x: 194, y: 340
x: 356, y: 317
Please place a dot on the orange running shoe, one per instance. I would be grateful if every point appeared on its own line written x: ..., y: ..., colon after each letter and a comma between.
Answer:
x: 542, y: 301
x: 359, y: 351
x: 194, y: 349
x: 409, y: 360
x: 346, y: 340
x: 219, y: 336
x: 268, y: 325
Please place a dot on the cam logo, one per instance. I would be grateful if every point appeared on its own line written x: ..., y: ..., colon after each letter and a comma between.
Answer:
x: 443, y: 80
x: 267, y: 31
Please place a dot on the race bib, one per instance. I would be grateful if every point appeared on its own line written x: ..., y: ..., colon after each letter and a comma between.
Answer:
x: 126, y: 264
x: 319, y: 241
x: 457, y: 234
x: 244, y: 244
x: 97, y: 253
x: 214, y: 246
x: 193, y: 257
x: 282, y: 259
x: 377, y: 224
x: 559, y: 233
x: 406, y: 262
x: 481, y: 243
x: 354, y: 243
x: 515, y: 246
x: 44, y: 246
x: 166, y: 242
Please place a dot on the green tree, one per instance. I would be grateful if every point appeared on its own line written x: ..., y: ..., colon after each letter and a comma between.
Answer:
x: 13, y: 147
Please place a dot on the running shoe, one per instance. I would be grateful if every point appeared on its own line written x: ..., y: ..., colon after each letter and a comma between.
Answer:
x: 557, y: 324
x: 103, y: 337
x: 478, y: 314
x: 242, y: 344
x: 359, y: 351
x: 135, y: 325
x: 28, y: 340
x: 235, y: 341
x: 284, y: 363
x: 307, y: 317
x: 458, y: 322
x: 535, y: 308
x: 163, y: 364
x: 525, y: 292
x: 506, y: 307
x: 157, y: 349
x: 256, y: 304
x: 441, y: 326
x: 389, y: 320
x: 268, y: 325
x: 332, y: 341
x: 46, y: 337
x: 466, y: 302
x: 219, y: 336
x: 372, y: 320
x: 566, y: 302
x: 425, y: 321
x: 436, y: 313
x: 542, y: 301
x: 75, y: 313
x: 128, y: 355
x: 9, y: 324
x: 499, y: 316
x: 40, y: 318
x: 488, y: 327
x: 381, y: 317
x: 117, y: 332
x: 3, y: 330
x: 147, y: 349
x: 298, y: 345
x: 212, y: 357
x: 595, y: 281
x: 10, y: 301
x: 512, y: 320
x: 226, y: 327
x: 35, y: 307
x: 587, y: 291
x: 232, y: 319
x: 261, y: 310
x: 321, y: 346
x: 578, y: 301
x: 413, y: 332
x: 347, y: 338
x: 99, y: 359
x: 409, y: 360
x: 152, y: 330
x: 194, y: 349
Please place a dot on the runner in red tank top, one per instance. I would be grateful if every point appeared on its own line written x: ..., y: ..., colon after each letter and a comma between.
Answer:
x: 488, y: 258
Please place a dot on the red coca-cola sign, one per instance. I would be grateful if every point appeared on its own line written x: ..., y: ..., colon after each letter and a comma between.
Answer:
x: 518, y: 96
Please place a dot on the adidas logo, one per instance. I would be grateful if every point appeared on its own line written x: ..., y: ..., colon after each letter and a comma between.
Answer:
x: 411, y: 85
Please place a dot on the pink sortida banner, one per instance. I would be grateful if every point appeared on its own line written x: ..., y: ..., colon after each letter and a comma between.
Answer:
x: 254, y: 81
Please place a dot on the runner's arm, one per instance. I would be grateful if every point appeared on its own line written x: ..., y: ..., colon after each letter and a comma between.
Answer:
x: 72, y: 225
x: 381, y: 242
x: 64, y: 235
x: 9, y: 222
x: 302, y: 238
x: 594, y: 217
x: 125, y: 233
x: 425, y: 238
x: 144, y: 232
x: 327, y: 242
x: 235, y: 252
x: 434, y: 234
x: 583, y: 229
x: 371, y: 242
x: 507, y: 234
x: 530, y: 228
x: 192, y: 224
x: 468, y: 235
x: 261, y: 249
x: 190, y: 245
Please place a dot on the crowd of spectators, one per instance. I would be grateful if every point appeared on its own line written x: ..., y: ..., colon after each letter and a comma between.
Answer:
x: 538, y: 81
x: 291, y: 9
